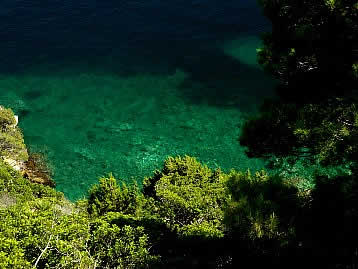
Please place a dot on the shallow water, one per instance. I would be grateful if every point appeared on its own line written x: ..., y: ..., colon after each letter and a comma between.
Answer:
x: 119, y: 86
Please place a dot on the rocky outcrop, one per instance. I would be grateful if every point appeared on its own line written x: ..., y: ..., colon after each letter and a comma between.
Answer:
x: 16, y: 165
x: 13, y: 151
x: 37, y: 171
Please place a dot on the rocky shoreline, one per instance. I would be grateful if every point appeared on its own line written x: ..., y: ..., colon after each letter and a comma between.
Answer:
x: 14, y: 153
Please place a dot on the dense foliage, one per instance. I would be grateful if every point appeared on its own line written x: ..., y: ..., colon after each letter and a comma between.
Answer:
x: 190, y: 197
x: 262, y: 207
x: 40, y: 228
x: 312, y: 50
x: 186, y: 215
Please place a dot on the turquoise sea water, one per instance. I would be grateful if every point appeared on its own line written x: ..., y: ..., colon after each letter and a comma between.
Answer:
x: 99, y: 102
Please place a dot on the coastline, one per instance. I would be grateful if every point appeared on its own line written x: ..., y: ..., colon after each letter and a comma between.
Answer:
x: 14, y: 152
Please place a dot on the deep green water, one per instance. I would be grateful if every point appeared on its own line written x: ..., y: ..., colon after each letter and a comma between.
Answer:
x: 90, y: 123
x: 122, y: 98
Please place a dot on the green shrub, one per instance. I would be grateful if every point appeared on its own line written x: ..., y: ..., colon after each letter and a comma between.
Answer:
x: 44, y: 235
x: 188, y: 197
x: 11, y: 139
x: 120, y: 247
x: 108, y: 196
x: 7, y: 118
x: 263, y: 208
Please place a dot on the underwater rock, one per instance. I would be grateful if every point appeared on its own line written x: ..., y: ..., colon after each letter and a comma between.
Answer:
x: 188, y: 125
x: 125, y: 126
x: 33, y: 94
x: 37, y: 171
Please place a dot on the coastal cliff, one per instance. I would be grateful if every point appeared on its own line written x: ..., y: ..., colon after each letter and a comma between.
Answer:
x: 13, y: 150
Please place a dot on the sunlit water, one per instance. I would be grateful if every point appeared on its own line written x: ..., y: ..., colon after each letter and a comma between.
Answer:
x: 104, y: 86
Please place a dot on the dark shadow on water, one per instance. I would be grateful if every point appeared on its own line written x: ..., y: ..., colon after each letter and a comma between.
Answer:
x: 218, y: 79
x: 214, y: 77
x: 22, y: 113
x: 33, y: 94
